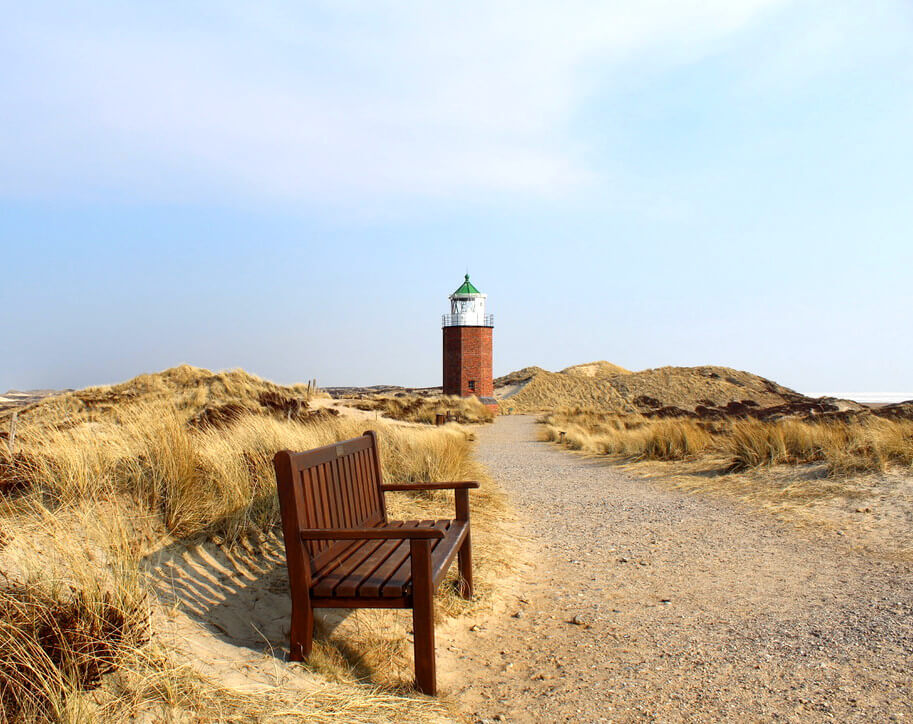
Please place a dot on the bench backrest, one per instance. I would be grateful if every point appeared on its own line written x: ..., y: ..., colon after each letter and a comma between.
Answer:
x: 334, y: 486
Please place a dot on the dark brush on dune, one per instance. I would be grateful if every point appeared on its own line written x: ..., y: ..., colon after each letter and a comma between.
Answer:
x: 49, y: 643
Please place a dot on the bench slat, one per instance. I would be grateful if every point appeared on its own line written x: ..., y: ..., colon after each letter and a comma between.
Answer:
x: 442, y: 556
x: 347, y: 517
x: 374, y: 580
x: 338, y: 555
x: 365, y: 473
x: 350, y: 586
x: 326, y: 578
x: 378, y: 568
x: 326, y: 503
x: 401, y: 576
x: 369, y: 482
x: 317, y: 502
x: 358, y: 486
x: 332, y: 484
x: 354, y: 504
x: 326, y: 581
x: 443, y: 552
x: 373, y: 587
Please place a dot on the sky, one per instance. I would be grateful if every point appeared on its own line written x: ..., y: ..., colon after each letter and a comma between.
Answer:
x: 295, y: 188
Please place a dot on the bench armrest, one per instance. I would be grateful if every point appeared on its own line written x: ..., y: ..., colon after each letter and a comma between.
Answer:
x: 460, y: 493
x: 370, y: 533
x: 464, y: 485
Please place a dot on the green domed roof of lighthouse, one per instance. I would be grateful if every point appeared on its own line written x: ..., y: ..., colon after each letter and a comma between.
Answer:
x: 467, y: 287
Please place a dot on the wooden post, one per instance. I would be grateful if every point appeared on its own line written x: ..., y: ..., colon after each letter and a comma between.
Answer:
x: 423, y: 616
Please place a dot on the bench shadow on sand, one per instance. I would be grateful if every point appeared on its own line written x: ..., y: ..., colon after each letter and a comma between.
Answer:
x: 240, y: 594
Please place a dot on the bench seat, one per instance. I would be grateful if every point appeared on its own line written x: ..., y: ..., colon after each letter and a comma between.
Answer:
x: 381, y: 568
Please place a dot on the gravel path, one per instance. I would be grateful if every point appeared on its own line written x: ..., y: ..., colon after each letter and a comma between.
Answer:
x: 647, y: 604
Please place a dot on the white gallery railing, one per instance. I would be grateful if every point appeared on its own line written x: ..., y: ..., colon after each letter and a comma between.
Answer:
x: 468, y: 320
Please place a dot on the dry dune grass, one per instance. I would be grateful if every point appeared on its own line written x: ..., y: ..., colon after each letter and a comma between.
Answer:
x: 193, y: 391
x: 102, y: 479
x: 865, y: 445
x: 65, y: 620
x: 210, y: 480
x: 628, y: 436
x: 868, y: 445
x: 411, y: 408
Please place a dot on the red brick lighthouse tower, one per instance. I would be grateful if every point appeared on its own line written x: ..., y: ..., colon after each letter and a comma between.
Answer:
x: 467, y: 345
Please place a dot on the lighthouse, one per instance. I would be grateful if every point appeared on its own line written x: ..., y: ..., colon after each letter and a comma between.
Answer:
x: 467, y: 345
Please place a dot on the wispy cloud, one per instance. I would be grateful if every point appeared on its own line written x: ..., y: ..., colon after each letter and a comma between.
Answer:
x: 324, y: 101
x: 832, y: 38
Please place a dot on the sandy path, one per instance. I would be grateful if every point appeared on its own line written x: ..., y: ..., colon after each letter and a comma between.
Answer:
x: 690, y: 608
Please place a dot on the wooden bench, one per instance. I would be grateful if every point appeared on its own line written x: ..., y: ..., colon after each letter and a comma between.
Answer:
x: 343, y: 552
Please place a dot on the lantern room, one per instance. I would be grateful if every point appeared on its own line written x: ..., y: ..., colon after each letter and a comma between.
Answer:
x: 467, y: 307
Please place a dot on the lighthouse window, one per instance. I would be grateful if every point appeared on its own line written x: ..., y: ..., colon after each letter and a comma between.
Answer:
x: 472, y: 384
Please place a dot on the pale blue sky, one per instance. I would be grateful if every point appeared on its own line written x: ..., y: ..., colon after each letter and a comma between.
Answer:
x: 295, y: 188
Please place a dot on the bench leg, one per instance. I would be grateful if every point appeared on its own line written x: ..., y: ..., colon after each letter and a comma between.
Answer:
x: 301, y: 635
x: 465, y: 553
x: 464, y: 563
x: 423, y: 617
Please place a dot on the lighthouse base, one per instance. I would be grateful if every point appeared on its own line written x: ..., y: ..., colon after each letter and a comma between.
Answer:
x: 467, y: 362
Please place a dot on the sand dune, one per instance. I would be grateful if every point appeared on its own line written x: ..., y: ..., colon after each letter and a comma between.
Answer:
x: 604, y: 386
